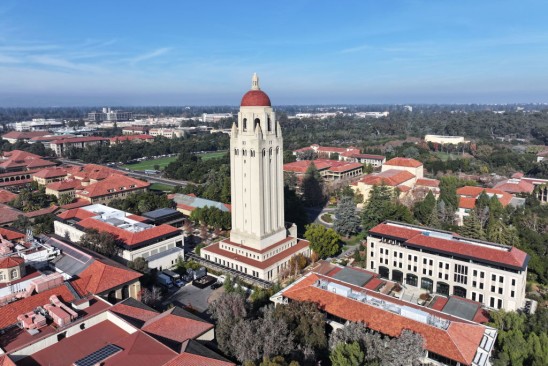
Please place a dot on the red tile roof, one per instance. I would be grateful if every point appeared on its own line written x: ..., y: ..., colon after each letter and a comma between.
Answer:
x: 50, y: 173
x: 76, y: 213
x: 174, y: 327
x: 9, y: 312
x: 6, y: 196
x: 115, y: 183
x: 10, y: 262
x: 42, y: 212
x: 346, y: 167
x: 100, y: 277
x: 471, y: 191
x: 11, y: 234
x: 404, y: 162
x: 390, y: 177
x: 321, y: 164
x: 428, y: 182
x: 65, y: 185
x: 23, y: 135
x: 76, y: 204
x: 128, y: 237
x: 74, y: 140
x: 77, y: 346
x: 509, y: 256
x: 20, y: 155
x: 8, y: 214
x: 515, y: 186
x: 128, y: 311
x: 302, y: 165
x: 91, y: 171
x: 467, y: 202
x: 215, y: 248
x: 190, y: 359
x: 459, y: 342
x: 131, y: 137
x: 139, y: 349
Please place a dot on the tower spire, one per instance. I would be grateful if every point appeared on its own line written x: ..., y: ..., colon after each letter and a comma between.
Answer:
x: 255, y: 82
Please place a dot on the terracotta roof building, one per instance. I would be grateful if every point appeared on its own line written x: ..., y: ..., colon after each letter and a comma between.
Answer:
x: 14, y: 136
x: 327, y: 151
x: 330, y: 170
x: 112, y: 187
x: 7, y: 196
x: 375, y: 161
x: 61, y: 146
x: 135, y: 138
x: 445, y: 263
x: 468, y: 196
x: 49, y: 175
x: 8, y: 214
x: 160, y: 245
x: 98, y: 333
x: 18, y: 160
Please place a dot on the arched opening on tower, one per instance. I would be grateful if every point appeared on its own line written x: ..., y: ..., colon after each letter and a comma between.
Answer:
x: 256, y: 122
x: 269, y: 123
x: 244, y: 122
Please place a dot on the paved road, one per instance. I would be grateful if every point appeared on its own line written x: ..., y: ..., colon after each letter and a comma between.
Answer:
x: 135, y: 174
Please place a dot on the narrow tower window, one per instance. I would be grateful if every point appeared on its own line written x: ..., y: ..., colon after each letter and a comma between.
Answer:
x: 257, y: 121
x: 269, y: 124
x: 245, y: 124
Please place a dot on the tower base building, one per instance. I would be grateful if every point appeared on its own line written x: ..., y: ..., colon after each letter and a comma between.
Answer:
x: 261, y: 243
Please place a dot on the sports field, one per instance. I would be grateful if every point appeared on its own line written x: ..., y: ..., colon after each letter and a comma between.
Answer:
x: 212, y: 155
x: 149, y: 164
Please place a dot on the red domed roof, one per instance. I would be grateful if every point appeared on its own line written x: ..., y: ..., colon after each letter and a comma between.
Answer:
x: 255, y: 98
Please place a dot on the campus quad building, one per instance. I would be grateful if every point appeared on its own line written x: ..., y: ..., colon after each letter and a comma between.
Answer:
x: 444, y: 263
x: 261, y: 243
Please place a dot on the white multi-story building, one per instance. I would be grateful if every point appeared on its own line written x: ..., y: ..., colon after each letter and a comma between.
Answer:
x: 160, y: 245
x: 447, y: 264
x: 260, y: 243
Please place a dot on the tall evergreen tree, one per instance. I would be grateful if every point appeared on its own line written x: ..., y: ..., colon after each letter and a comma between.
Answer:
x: 347, y: 222
x: 472, y: 227
x: 423, y: 209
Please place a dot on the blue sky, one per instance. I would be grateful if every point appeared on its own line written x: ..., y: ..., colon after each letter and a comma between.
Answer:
x: 58, y: 53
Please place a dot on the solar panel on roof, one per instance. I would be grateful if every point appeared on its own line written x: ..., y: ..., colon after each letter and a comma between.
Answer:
x: 99, y: 355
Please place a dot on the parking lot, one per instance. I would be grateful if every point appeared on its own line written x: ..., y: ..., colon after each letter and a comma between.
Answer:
x: 193, y: 297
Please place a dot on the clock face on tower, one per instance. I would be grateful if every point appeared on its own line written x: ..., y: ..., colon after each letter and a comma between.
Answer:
x: 256, y: 162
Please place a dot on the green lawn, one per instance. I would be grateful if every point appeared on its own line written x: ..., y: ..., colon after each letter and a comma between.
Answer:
x: 161, y: 187
x: 149, y: 164
x: 212, y: 155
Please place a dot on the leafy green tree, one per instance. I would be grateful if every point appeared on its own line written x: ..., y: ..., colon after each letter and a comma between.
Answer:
x: 347, y: 222
x: 312, y: 187
x: 277, y: 361
x: 21, y: 223
x: 324, y: 242
x: 101, y: 242
x: 228, y: 310
x: 139, y: 264
x: 307, y: 324
x: 347, y: 354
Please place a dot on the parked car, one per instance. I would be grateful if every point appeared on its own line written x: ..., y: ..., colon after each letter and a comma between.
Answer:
x: 216, y: 285
x: 179, y: 283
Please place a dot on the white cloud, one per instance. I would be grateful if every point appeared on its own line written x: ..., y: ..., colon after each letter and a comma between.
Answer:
x: 150, y: 55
